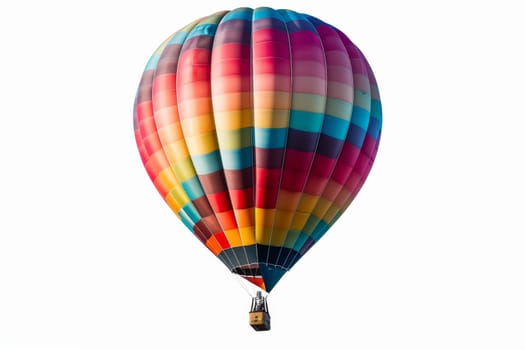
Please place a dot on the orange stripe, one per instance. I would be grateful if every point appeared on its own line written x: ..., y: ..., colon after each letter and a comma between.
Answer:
x: 214, y: 246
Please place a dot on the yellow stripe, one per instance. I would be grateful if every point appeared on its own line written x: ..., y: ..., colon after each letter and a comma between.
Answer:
x: 307, y: 203
x: 299, y: 221
x: 198, y: 125
x: 233, y: 237
x: 235, y: 139
x: 176, y: 151
x: 234, y: 119
x: 183, y: 169
x: 271, y: 118
x: 322, y: 206
x: 309, y: 103
x: 202, y: 143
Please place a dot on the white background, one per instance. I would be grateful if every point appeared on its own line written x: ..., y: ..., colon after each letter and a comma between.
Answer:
x: 431, y: 255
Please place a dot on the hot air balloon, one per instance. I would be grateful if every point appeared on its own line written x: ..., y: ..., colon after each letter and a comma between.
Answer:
x: 258, y: 128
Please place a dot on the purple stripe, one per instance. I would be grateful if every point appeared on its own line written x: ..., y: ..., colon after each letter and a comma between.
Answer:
x: 269, y: 23
x: 302, y: 140
x: 233, y: 31
x: 329, y: 146
x: 269, y: 158
x: 239, y: 179
x: 169, y: 59
x: 197, y: 42
x: 144, y: 90
x: 202, y: 206
x: 213, y: 183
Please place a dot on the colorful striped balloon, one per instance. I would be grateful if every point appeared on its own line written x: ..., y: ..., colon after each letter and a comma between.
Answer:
x: 258, y: 127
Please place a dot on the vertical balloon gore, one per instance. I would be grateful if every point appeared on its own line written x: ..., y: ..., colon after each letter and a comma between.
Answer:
x: 258, y: 128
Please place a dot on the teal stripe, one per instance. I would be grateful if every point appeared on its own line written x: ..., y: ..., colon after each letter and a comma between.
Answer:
x: 152, y: 63
x: 300, y: 241
x: 193, y: 188
x: 240, y: 13
x: 237, y: 159
x: 320, y: 230
x: 186, y: 220
x: 360, y: 117
x: 362, y: 99
x: 270, y: 137
x: 335, y: 127
x: 203, y: 29
x: 376, y: 110
x: 178, y: 38
x: 292, y: 16
x: 306, y: 121
x: 338, y: 108
x: 266, y: 12
x: 207, y: 163
x: 190, y: 213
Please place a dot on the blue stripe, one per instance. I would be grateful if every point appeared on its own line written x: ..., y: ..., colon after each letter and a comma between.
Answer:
x: 306, y: 121
x: 335, y: 127
x: 237, y: 159
x: 190, y: 210
x: 320, y: 230
x: 186, y: 221
x: 152, y: 63
x: 266, y: 12
x: 207, y: 163
x: 300, y: 241
x: 193, y: 188
x: 207, y: 29
x: 178, y: 38
x: 374, y: 128
x: 356, y: 136
x: 240, y: 13
x: 376, y: 109
x: 270, y: 137
x: 360, y: 117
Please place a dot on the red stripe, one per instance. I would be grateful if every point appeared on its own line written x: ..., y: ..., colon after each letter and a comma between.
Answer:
x: 220, y: 201
x: 164, y: 82
x: 266, y: 198
x: 293, y: 180
x: 223, y: 241
x: 341, y: 173
x: 242, y: 199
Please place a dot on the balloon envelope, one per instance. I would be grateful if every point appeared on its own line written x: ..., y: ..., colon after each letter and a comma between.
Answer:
x: 258, y: 127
